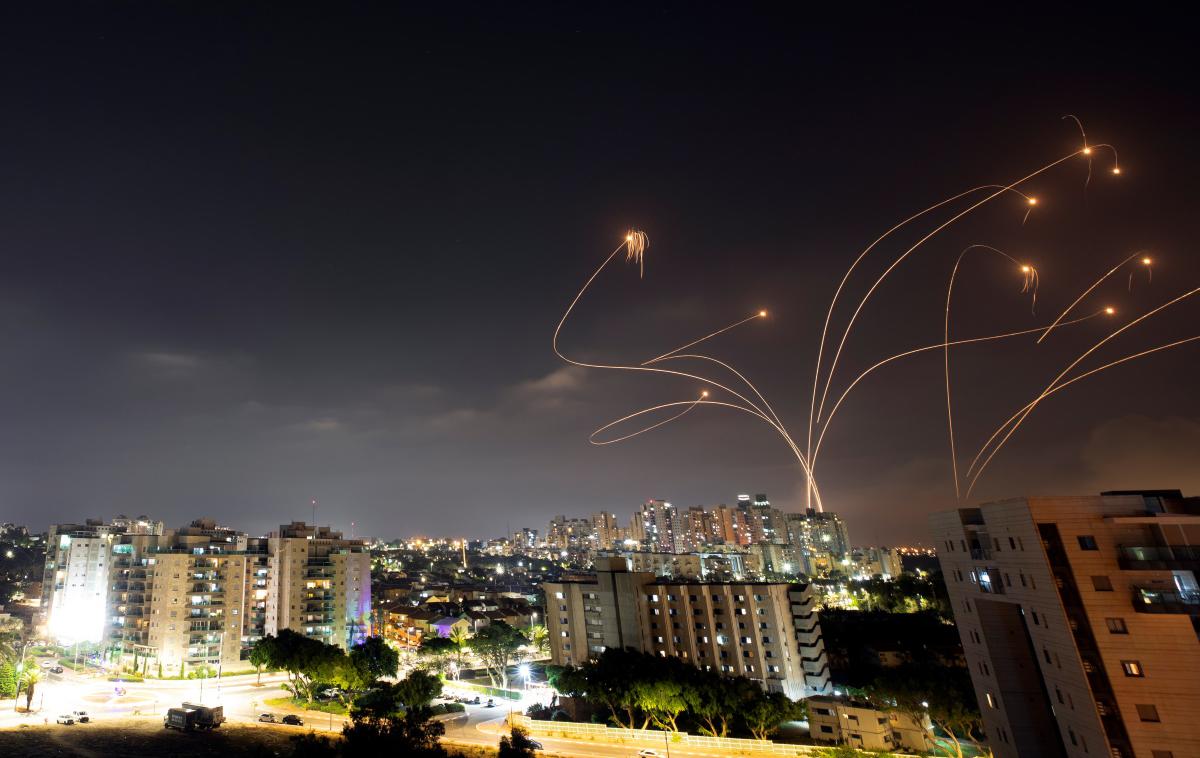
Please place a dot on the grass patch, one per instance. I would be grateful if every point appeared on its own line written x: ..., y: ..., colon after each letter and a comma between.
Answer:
x: 321, y: 706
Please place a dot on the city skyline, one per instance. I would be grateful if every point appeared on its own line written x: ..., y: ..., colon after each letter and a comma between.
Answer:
x: 240, y: 277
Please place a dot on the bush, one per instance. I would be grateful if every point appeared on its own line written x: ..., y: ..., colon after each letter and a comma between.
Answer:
x: 126, y: 678
x: 539, y: 712
x: 8, y: 680
x: 442, y: 708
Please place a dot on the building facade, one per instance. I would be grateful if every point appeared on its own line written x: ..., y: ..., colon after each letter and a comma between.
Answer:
x: 1078, y: 617
x: 173, y: 600
x: 321, y: 584
x: 768, y: 632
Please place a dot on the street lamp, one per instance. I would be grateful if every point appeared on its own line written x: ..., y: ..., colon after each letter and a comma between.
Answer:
x: 523, y: 672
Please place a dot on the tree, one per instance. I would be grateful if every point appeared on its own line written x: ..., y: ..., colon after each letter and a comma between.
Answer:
x: 539, y: 639
x: 8, y: 680
x: 413, y: 733
x: 945, y: 697
x: 518, y: 745
x: 462, y: 641
x: 307, y: 662
x: 764, y: 713
x: 418, y: 689
x: 496, y: 644
x: 374, y: 659
x: 713, y: 702
x: 436, y: 652
x: 28, y: 682
x: 262, y: 655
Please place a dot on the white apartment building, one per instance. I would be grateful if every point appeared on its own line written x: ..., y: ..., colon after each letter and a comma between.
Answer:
x: 1079, y: 617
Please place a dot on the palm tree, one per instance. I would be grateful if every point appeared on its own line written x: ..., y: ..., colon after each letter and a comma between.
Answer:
x: 539, y: 639
x: 460, y: 637
x: 29, y: 680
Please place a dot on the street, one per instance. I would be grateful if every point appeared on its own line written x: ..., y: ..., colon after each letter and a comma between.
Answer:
x: 242, y: 699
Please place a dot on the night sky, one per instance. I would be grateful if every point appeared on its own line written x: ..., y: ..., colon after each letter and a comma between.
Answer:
x: 254, y: 254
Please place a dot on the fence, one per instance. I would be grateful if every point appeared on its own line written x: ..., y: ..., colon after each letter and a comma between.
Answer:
x: 653, y: 738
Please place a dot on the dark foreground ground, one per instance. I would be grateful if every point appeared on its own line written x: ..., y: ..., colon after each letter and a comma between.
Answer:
x: 146, y: 738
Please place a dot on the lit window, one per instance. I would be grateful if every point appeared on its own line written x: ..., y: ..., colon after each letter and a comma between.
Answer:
x: 1132, y: 668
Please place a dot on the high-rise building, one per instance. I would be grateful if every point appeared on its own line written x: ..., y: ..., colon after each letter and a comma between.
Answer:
x: 76, y: 578
x: 659, y: 524
x: 322, y: 584
x: 605, y: 531
x: 723, y: 526
x: 768, y: 632
x: 820, y: 540
x: 200, y: 595
x: 524, y: 540
x: 696, y: 526
x: 1078, y: 617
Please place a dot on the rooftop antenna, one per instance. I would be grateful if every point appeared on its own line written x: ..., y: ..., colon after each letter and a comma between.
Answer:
x: 314, y: 505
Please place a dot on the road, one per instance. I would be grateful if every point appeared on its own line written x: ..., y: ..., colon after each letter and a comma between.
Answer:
x: 242, y: 699
x: 92, y: 692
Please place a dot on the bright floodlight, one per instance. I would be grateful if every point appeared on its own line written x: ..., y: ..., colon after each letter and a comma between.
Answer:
x: 523, y: 670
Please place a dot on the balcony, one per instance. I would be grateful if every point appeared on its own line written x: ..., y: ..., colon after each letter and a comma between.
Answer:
x: 1159, y: 558
x: 1156, y: 600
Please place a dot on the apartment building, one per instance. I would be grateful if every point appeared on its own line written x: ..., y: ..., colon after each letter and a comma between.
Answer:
x: 861, y: 725
x: 178, y: 599
x: 768, y: 632
x: 584, y: 618
x: 75, y: 580
x: 172, y: 600
x: 1078, y: 617
x: 320, y: 584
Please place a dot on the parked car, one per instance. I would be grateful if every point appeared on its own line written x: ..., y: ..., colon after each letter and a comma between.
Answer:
x: 66, y: 718
x: 475, y: 700
x: 535, y: 745
x: 293, y: 720
x: 56, y: 669
x: 81, y: 716
x: 46, y: 664
x: 648, y: 753
x: 330, y: 693
x: 490, y: 703
x: 267, y: 718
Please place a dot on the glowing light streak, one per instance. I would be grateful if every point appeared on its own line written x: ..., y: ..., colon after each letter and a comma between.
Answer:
x: 693, y: 343
x: 1086, y: 292
x: 638, y: 238
x: 1030, y: 283
x: 1018, y: 418
x: 940, y: 345
x: 845, y: 277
